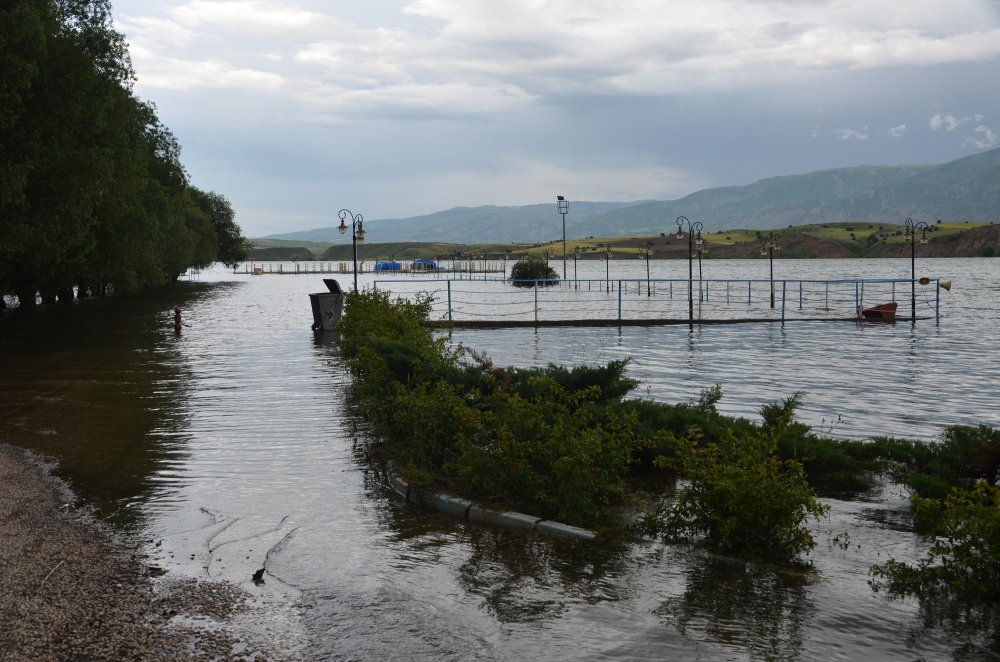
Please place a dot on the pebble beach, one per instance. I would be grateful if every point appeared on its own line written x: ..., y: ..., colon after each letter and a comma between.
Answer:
x: 72, y: 589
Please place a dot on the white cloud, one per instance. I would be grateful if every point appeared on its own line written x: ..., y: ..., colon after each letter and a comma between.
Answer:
x: 947, y: 122
x: 897, y: 131
x: 851, y: 134
x: 176, y: 74
x: 983, y: 137
x: 640, y: 47
x: 251, y: 18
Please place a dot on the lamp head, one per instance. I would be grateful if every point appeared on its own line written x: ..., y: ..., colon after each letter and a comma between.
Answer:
x: 360, y: 234
x: 342, y: 227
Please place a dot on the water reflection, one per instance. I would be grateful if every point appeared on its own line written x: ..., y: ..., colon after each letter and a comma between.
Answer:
x: 759, y: 609
x: 95, y: 385
x: 526, y: 578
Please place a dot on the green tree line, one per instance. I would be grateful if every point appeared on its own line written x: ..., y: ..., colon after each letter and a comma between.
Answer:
x: 93, y: 196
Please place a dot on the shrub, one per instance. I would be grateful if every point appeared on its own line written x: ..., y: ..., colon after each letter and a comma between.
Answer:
x: 546, y: 440
x: 529, y: 271
x: 742, y: 499
x: 964, y: 560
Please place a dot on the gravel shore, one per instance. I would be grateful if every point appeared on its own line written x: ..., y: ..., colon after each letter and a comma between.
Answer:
x: 71, y: 590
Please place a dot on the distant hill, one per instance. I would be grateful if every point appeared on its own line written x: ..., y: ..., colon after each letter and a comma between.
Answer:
x: 964, y: 189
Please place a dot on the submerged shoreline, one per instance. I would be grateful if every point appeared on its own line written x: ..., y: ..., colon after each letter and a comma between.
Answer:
x: 72, y: 589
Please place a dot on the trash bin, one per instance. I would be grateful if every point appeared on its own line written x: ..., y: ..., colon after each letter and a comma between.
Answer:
x: 327, y: 306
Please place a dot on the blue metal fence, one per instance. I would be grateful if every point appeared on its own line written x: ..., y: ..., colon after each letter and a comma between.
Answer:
x: 638, y: 300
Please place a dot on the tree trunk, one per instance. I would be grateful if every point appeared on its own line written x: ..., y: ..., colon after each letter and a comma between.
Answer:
x: 26, y: 298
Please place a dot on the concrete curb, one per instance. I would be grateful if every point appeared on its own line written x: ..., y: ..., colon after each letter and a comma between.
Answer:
x: 468, y: 511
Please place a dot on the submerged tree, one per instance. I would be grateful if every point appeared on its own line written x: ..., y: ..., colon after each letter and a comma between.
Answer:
x: 530, y: 270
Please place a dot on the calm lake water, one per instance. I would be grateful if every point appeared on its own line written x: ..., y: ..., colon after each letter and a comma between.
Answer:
x: 231, y: 447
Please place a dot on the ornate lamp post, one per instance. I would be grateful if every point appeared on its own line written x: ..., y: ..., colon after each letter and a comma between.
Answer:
x: 692, y: 229
x: 911, y: 236
x: 768, y: 245
x: 357, y: 236
x: 563, y: 208
x: 645, y: 252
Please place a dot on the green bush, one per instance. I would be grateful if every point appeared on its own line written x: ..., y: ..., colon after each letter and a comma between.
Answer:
x: 742, y: 498
x: 547, y: 440
x: 529, y: 271
x: 964, y: 560
x: 964, y: 455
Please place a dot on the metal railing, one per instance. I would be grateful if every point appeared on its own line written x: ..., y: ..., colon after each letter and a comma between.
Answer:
x: 658, y: 301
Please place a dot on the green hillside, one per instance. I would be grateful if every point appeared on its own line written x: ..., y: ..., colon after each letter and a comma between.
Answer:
x: 967, y: 189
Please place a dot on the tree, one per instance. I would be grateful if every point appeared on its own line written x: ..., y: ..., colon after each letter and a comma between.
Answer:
x: 233, y: 247
x: 530, y: 270
x: 92, y: 190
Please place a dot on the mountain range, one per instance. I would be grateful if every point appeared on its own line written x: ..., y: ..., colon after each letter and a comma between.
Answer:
x: 964, y: 189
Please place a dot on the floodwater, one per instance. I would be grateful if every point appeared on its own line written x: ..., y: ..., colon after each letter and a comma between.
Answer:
x: 230, y: 448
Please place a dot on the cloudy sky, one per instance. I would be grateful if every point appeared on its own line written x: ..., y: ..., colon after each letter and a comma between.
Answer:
x: 395, y: 108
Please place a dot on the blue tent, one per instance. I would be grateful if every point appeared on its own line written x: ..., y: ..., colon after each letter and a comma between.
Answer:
x: 387, y: 265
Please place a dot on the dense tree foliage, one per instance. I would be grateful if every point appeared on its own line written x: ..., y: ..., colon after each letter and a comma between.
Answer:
x: 531, y: 271
x: 92, y: 191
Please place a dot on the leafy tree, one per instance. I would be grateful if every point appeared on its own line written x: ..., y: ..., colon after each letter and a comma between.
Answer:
x: 530, y: 270
x: 233, y: 246
x: 92, y: 190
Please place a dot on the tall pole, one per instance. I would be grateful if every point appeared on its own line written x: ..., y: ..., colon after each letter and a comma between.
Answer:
x: 607, y: 270
x: 768, y: 245
x: 648, y: 251
x: 576, y: 255
x: 357, y: 236
x: 911, y: 235
x: 770, y: 261
x: 563, y: 208
x: 691, y: 229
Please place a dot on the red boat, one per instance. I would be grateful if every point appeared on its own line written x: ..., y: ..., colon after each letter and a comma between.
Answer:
x: 883, y: 311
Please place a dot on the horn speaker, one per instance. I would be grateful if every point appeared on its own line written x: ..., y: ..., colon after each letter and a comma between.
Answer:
x: 945, y: 285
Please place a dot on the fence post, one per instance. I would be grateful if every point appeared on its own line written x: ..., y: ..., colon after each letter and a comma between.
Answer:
x: 449, y: 299
x: 784, y: 287
x: 536, y: 301
x: 619, y: 301
x: 800, y: 295
x: 749, y: 282
x: 937, y: 302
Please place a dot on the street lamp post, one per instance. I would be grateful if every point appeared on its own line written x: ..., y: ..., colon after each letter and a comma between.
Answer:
x: 768, y: 245
x: 357, y: 236
x: 911, y: 236
x: 692, y: 229
x: 563, y: 208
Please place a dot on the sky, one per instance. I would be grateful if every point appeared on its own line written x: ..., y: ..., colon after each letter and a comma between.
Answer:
x: 394, y: 108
